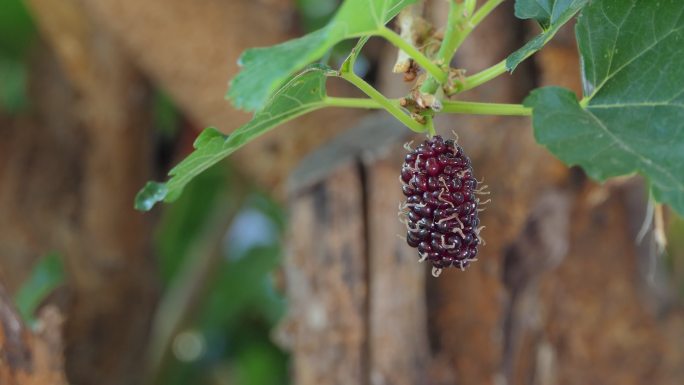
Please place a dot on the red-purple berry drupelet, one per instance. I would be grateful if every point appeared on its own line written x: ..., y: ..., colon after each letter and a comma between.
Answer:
x: 441, y: 204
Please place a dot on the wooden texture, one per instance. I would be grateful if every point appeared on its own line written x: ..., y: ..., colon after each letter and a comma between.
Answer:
x: 390, y: 311
x: 30, y: 357
x: 326, y: 281
x: 397, y: 313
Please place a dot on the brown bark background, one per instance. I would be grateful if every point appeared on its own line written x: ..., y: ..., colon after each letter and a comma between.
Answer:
x: 562, y: 293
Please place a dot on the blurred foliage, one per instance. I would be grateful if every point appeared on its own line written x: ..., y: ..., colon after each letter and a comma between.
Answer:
x: 228, y: 337
x: 16, y: 28
x: 46, y: 275
x: 183, y: 222
x: 17, y: 32
x: 12, y: 85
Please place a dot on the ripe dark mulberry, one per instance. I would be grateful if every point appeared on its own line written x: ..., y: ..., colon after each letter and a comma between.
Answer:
x: 441, y: 205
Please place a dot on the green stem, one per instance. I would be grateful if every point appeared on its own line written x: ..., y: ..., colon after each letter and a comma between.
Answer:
x: 351, y: 102
x: 453, y: 107
x: 481, y: 77
x: 448, y: 47
x: 455, y: 21
x: 392, y: 106
x: 430, y: 125
x: 457, y: 30
x: 475, y: 20
x: 415, y: 54
x: 475, y: 108
x: 470, y: 6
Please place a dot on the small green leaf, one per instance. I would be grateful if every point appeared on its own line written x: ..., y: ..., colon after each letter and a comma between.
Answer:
x: 551, y: 15
x: 632, y: 119
x: 266, y: 69
x: 349, y: 63
x: 47, y: 275
x: 152, y: 193
x: 303, y: 93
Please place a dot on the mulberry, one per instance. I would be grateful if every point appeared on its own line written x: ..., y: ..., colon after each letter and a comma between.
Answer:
x: 441, y: 208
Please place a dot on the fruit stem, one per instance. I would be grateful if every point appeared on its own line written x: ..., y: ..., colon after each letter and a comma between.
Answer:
x: 459, y: 26
x: 430, y: 125
x: 473, y: 22
x: 461, y: 107
x: 415, y: 54
x: 392, y: 106
x: 453, y: 107
x: 481, y: 77
x: 455, y: 24
x: 470, y: 6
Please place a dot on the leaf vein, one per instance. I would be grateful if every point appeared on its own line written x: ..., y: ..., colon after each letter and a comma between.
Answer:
x: 635, y: 153
x: 630, y: 61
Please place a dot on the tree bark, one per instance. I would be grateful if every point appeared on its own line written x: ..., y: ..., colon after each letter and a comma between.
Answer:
x: 30, y: 357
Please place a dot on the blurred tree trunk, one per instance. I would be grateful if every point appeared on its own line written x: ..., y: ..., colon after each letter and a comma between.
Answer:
x: 559, y: 294
x: 70, y: 173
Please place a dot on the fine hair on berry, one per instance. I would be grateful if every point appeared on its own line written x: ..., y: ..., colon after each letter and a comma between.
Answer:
x: 441, y: 207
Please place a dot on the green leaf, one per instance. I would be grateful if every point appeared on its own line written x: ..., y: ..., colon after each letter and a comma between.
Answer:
x: 266, y: 69
x: 45, y: 277
x: 632, y: 119
x: 551, y: 15
x: 149, y: 195
x: 303, y: 93
x: 349, y: 63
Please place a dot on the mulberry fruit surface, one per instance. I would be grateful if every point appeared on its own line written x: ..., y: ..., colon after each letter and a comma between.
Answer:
x: 441, y: 207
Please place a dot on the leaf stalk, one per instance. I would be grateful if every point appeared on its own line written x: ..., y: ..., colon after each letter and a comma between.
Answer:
x: 390, y: 105
x: 452, y: 107
x: 481, y: 77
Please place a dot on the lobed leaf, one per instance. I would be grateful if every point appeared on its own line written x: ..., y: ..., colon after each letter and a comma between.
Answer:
x: 551, y: 15
x: 632, y: 117
x: 303, y: 93
x: 266, y: 69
